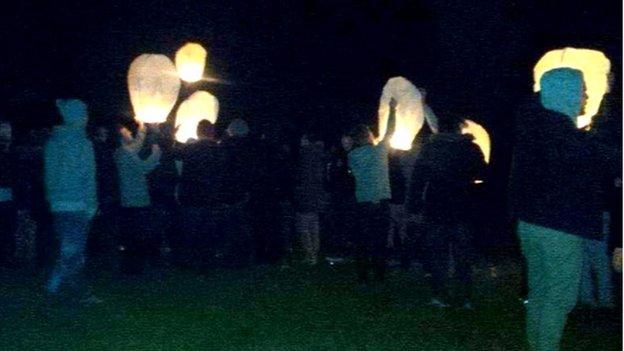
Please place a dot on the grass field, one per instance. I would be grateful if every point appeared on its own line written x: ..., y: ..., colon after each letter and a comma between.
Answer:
x: 272, y: 308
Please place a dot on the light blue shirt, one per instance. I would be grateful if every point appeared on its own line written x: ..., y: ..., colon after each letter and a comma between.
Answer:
x: 369, y: 165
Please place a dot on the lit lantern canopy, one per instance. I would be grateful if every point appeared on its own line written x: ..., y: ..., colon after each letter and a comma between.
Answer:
x: 190, y: 61
x: 595, y: 67
x: 201, y: 105
x: 481, y: 137
x: 154, y: 86
x: 409, y: 112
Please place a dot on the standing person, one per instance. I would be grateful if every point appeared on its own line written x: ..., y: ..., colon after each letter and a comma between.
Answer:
x: 397, y: 235
x: 555, y: 194
x: 71, y: 191
x: 441, y: 190
x: 202, y: 163
x: 234, y: 194
x: 137, y: 233
x: 104, y: 233
x: 341, y: 189
x: 8, y: 212
x: 369, y: 164
x: 309, y: 197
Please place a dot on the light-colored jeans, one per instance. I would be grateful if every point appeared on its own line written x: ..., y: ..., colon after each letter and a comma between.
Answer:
x: 308, y: 229
x: 554, y: 261
x: 72, y: 229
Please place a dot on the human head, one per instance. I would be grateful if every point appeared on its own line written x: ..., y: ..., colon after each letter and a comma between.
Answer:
x: 205, y: 130
x: 238, y: 128
x: 361, y: 135
x: 346, y: 142
x: 563, y: 90
x: 101, y: 134
x: 73, y: 111
x: 6, y: 132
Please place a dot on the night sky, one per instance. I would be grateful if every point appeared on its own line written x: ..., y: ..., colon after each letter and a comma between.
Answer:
x: 306, y: 65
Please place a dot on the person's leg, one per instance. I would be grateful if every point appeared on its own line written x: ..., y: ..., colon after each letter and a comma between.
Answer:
x: 463, y: 255
x: 380, y: 226
x: 602, y: 269
x: 536, y: 279
x: 438, y: 257
x: 315, y: 234
x: 8, y: 220
x: 362, y: 240
x: 586, y: 290
x: 72, y: 229
x: 556, y: 290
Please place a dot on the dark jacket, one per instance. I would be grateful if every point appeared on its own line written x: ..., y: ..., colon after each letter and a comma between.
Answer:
x: 309, y: 189
x: 557, y: 172
x: 202, y: 164
x: 238, y: 170
x: 106, y: 176
x: 398, y: 185
x: 442, y: 185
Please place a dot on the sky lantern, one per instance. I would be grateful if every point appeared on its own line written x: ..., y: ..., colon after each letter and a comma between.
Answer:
x: 481, y: 137
x: 409, y: 112
x: 201, y: 105
x: 190, y: 61
x: 154, y: 86
x: 595, y: 67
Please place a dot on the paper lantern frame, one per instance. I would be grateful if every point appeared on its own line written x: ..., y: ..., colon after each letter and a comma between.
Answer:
x: 153, y: 85
x: 190, y: 61
x: 409, y: 112
x: 595, y: 67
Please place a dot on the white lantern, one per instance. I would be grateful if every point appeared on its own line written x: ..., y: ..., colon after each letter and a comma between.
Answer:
x: 154, y: 87
x: 481, y: 137
x: 595, y: 67
x: 409, y: 112
x: 201, y: 105
x: 190, y: 61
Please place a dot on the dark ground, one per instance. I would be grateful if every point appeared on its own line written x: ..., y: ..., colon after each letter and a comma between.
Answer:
x: 280, y: 308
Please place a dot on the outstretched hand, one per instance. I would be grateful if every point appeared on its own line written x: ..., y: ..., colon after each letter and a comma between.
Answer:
x: 393, y: 103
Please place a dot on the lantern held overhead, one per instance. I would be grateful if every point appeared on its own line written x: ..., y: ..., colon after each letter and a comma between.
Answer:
x: 595, y: 67
x: 154, y: 87
x: 481, y: 137
x: 201, y: 105
x: 409, y: 112
x: 190, y: 61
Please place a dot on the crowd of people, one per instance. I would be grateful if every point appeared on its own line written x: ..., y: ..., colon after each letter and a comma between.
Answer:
x: 133, y: 197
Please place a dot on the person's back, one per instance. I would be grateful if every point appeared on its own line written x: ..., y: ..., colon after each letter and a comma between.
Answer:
x: 556, y: 173
x: 202, y: 164
x: 70, y: 182
x: 70, y: 165
x: 555, y: 196
x: 443, y: 176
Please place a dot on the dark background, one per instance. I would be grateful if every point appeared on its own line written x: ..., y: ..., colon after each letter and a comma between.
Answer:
x: 304, y: 65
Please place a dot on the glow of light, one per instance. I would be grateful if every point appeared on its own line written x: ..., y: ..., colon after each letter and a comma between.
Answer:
x: 409, y: 112
x: 595, y: 67
x: 481, y: 137
x: 201, y: 105
x: 190, y: 61
x: 153, y: 86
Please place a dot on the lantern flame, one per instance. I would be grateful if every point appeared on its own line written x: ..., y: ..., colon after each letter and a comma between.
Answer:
x: 481, y: 137
x: 199, y: 106
x: 409, y: 112
x: 595, y: 67
x: 153, y: 87
x: 190, y: 61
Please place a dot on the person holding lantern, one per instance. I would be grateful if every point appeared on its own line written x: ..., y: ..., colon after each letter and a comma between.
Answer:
x: 555, y: 184
x: 369, y: 164
x: 71, y: 191
x: 136, y: 231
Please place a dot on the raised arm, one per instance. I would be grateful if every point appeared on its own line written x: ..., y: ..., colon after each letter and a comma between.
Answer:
x: 137, y: 144
x: 391, y: 121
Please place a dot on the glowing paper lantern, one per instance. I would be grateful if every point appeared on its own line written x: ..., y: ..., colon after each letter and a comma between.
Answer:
x: 190, y: 61
x: 154, y: 86
x: 481, y: 137
x: 201, y: 105
x: 409, y: 112
x: 595, y: 67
